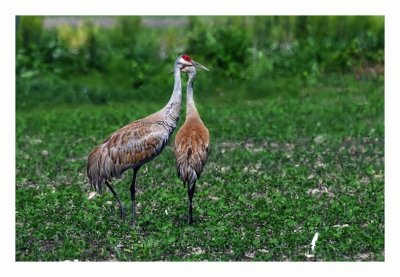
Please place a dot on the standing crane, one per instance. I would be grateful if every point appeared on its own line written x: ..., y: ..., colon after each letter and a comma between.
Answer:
x: 136, y: 143
x: 192, y: 144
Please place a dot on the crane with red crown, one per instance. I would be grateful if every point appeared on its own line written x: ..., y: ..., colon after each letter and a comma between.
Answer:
x: 137, y: 143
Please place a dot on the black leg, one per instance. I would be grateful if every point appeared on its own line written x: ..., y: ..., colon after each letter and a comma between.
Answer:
x: 133, y: 190
x: 121, y: 206
x: 191, y: 189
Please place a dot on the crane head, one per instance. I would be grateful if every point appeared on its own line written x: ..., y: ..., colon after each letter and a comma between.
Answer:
x: 185, y: 60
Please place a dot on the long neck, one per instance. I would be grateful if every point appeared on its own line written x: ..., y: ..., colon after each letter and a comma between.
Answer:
x: 173, y: 107
x: 190, y: 106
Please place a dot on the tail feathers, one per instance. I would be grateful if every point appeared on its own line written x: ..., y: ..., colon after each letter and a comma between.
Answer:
x: 192, y: 176
x: 186, y: 173
x: 94, y: 171
x: 101, y: 168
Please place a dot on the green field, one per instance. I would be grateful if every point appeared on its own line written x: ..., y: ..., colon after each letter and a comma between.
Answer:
x: 295, y: 110
x: 285, y: 162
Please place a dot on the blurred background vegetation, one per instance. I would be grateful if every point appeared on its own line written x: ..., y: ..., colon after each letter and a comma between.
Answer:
x: 67, y: 60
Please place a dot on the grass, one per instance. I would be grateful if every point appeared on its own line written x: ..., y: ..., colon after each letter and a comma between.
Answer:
x: 282, y: 167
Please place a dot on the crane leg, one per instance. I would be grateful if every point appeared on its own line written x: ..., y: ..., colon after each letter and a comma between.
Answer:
x: 191, y: 190
x: 133, y: 191
x: 121, y: 206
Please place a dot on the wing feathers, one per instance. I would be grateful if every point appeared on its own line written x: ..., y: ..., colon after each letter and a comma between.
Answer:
x: 131, y: 146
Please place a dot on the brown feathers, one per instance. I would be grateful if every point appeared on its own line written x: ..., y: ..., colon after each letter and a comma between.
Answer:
x: 128, y: 147
x: 191, y: 149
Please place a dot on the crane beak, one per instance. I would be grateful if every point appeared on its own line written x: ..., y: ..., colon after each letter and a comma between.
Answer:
x: 196, y: 64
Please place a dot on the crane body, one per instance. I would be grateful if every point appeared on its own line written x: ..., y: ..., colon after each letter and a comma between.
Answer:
x: 192, y: 144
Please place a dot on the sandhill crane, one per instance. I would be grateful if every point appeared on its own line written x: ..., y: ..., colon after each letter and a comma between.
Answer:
x: 191, y: 144
x: 136, y: 143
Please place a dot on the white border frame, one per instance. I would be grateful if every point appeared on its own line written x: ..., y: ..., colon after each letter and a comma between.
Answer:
x: 190, y: 7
